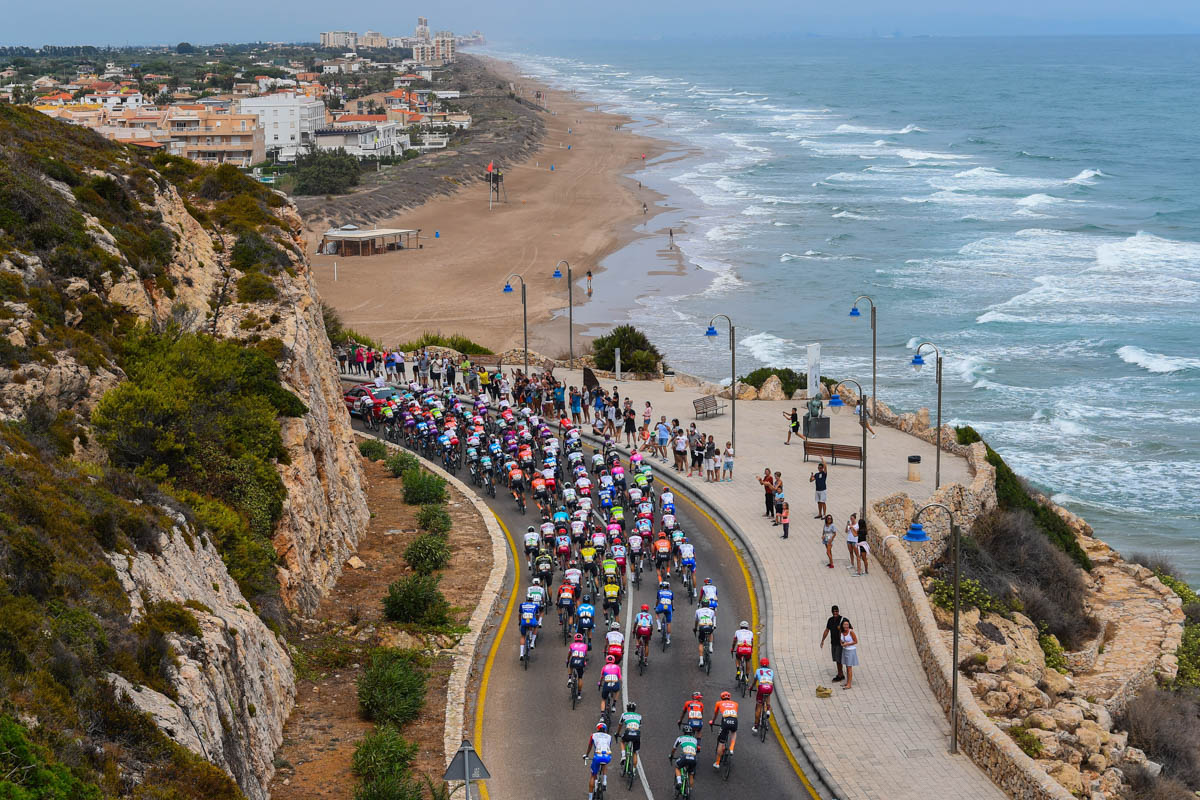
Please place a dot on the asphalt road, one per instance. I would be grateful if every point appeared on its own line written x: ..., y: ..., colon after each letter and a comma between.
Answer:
x: 532, y: 739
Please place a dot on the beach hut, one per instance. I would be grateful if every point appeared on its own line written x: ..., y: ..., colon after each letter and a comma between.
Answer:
x: 350, y: 240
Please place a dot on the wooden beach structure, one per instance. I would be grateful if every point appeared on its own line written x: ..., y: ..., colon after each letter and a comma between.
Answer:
x: 350, y: 240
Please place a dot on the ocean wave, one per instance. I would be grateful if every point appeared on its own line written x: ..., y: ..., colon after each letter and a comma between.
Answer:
x: 1086, y: 177
x: 921, y: 155
x: 878, y: 131
x: 769, y: 349
x: 1038, y: 156
x: 848, y: 214
x: 988, y: 179
x: 1157, y: 363
x: 815, y: 255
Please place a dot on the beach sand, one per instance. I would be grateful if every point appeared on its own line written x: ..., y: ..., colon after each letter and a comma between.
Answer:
x: 581, y: 211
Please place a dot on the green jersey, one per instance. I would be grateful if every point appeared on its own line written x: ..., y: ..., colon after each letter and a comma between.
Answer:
x: 632, y: 723
x: 687, y: 745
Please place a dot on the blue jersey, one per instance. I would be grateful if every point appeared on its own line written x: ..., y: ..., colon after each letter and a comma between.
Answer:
x: 665, y: 597
x: 528, y: 614
x: 561, y: 516
x: 586, y: 614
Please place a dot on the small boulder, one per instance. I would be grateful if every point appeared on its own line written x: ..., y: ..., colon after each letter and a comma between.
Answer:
x: 1041, y: 720
x: 354, y: 562
x: 994, y: 703
x: 1068, y: 717
x: 1088, y: 739
x: 800, y: 394
x: 997, y: 659
x: 1055, y: 683
x: 1096, y: 762
x: 1068, y: 777
x: 1022, y: 681
x: 921, y: 423
x: 772, y: 389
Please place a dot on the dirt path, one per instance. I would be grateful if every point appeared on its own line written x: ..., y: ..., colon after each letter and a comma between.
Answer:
x: 325, y: 727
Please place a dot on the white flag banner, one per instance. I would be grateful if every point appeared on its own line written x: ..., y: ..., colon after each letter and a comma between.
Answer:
x: 814, y: 368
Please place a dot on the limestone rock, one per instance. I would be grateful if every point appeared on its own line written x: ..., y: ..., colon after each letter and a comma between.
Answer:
x: 1069, y: 777
x: 997, y: 659
x: 744, y: 392
x: 1055, y: 682
x: 1041, y: 720
x: 772, y: 389
x: 1050, y: 744
x: 800, y: 394
x: 1088, y: 739
x: 1068, y: 717
x: 354, y: 562
x: 1096, y: 762
x: 921, y: 423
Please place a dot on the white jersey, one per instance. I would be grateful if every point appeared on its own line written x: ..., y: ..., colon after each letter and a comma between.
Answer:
x: 583, y: 482
x: 635, y: 543
x: 687, y: 550
x: 602, y: 743
x: 615, y: 637
x: 531, y: 539
x: 577, y: 527
x: 573, y: 575
x: 599, y: 540
x: 668, y: 521
x: 708, y: 592
x: 547, y: 528
x: 667, y: 499
x: 548, y: 473
x: 706, y: 617
x: 606, y: 481
x: 743, y: 637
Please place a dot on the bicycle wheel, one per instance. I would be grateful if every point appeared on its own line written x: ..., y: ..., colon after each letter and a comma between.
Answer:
x: 664, y: 640
x: 629, y: 774
x: 525, y: 656
x: 707, y: 663
x: 763, y: 723
x: 726, y: 765
x: 573, y: 686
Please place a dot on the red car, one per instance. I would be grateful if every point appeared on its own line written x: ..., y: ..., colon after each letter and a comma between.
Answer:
x: 352, y: 396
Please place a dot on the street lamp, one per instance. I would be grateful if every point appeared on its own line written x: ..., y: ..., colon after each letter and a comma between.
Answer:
x: 570, y: 306
x: 524, y: 313
x: 854, y: 312
x: 711, y: 335
x: 917, y: 534
x: 918, y: 362
x: 836, y: 404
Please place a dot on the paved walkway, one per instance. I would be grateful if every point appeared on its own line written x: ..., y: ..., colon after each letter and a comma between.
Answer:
x: 886, y: 737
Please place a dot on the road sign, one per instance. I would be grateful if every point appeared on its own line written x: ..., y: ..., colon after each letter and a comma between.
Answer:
x: 466, y: 766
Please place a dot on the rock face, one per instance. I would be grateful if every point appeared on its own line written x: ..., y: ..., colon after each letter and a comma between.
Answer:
x: 234, y: 682
x: 772, y: 389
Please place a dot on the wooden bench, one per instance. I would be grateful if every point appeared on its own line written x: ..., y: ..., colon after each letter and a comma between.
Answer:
x: 832, y: 451
x: 708, y: 405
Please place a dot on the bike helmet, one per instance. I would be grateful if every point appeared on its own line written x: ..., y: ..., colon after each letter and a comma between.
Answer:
x: 725, y: 695
x: 614, y: 626
x: 704, y: 602
x: 531, y: 529
x: 537, y: 581
x: 645, y: 607
x: 587, y: 598
x: 609, y: 660
x: 707, y: 581
x: 664, y: 585
x: 601, y: 727
x: 579, y: 637
x: 631, y: 707
x: 697, y: 696
x: 745, y: 625
x: 764, y: 662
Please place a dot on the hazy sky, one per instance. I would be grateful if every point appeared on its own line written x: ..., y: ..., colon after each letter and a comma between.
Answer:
x: 143, y: 22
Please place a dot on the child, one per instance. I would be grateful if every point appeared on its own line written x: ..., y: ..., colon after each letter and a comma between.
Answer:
x: 727, y: 471
x: 785, y: 518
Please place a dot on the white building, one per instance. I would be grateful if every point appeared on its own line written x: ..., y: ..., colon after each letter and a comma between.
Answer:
x: 288, y: 121
x: 380, y: 139
x: 340, y: 39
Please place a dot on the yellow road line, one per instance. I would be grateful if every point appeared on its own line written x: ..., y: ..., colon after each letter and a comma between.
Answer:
x: 754, y: 623
x: 487, y: 667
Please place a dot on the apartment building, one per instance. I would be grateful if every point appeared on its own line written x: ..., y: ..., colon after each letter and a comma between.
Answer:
x: 345, y: 40
x: 363, y: 140
x: 213, y: 137
x: 287, y: 119
x: 372, y: 39
x: 444, y: 46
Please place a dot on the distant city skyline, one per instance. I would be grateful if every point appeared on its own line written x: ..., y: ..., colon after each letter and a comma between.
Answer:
x: 129, y: 23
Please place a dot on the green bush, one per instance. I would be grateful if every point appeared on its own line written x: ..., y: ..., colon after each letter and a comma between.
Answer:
x: 392, y: 687
x: 30, y: 773
x: 455, y: 342
x: 400, y: 462
x: 326, y: 172
x: 254, y: 287
x: 427, y: 553
x: 1055, y: 656
x: 1029, y: 744
x: 372, y: 449
x: 434, y: 518
x: 966, y: 435
x: 636, y: 349
x: 383, y: 752
x: 391, y: 787
x: 416, y: 599
x: 788, y: 378
x: 421, y: 488
x: 970, y: 595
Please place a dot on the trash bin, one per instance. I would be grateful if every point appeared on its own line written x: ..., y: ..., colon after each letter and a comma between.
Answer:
x: 914, y: 469
x: 668, y: 381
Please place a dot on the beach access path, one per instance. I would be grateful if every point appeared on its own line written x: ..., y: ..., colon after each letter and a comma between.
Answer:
x: 887, y: 737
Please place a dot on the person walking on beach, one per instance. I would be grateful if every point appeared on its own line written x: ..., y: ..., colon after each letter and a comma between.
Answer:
x: 785, y: 519
x: 727, y: 466
x: 820, y: 478
x: 779, y: 499
x: 852, y: 542
x: 793, y: 424
x: 833, y: 628
x: 828, y: 534
x: 768, y: 484
x: 589, y: 283
x: 644, y: 208
x: 849, y: 651
x: 671, y: 238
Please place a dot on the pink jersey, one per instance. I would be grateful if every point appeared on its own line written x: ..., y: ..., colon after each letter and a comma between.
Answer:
x: 578, y: 650
x: 610, y: 675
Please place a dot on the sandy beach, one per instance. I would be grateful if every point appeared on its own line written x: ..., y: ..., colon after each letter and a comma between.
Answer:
x: 582, y: 210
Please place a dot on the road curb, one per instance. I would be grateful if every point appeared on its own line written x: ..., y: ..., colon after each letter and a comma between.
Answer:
x: 464, y: 654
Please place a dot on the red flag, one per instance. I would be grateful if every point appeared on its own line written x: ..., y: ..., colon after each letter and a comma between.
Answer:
x: 491, y: 165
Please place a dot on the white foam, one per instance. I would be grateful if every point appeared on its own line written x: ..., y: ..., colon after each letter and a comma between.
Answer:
x: 878, y: 131
x: 1035, y: 200
x: 847, y: 214
x: 920, y: 155
x: 768, y: 348
x: 1158, y: 363
x: 984, y: 179
x: 1085, y: 178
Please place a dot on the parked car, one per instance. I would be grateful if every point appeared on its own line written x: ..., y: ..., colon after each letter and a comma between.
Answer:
x: 352, y: 396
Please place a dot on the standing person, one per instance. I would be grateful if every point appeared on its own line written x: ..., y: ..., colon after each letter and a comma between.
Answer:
x: 793, y: 424
x: 820, y: 478
x: 663, y: 432
x: 647, y: 415
x: 852, y: 542
x: 833, y: 626
x: 849, y: 651
x: 485, y: 381
x: 400, y: 366
x: 369, y: 360
x: 828, y: 534
x: 598, y: 406
x: 727, y: 467
x: 424, y: 368
x: 779, y: 498
x: 768, y: 484
x: 785, y: 518
x: 341, y: 359
x: 589, y: 280
x: 630, y: 426
x: 576, y: 407
x: 560, y: 399
x: 612, y: 413
x: 435, y: 371
x: 681, y: 449
x: 698, y: 444
x: 448, y: 371
x: 864, y: 547
x: 710, y: 460
x: 359, y: 357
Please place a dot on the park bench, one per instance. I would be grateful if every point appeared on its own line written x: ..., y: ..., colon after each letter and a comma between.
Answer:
x: 832, y: 451
x: 707, y: 405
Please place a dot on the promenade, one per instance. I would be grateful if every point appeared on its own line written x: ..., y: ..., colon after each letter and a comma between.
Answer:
x: 887, y: 737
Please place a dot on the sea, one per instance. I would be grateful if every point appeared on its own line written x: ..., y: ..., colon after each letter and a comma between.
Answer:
x: 1029, y: 205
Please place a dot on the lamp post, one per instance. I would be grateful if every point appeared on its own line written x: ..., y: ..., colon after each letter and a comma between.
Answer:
x: 918, y: 362
x: 570, y: 306
x: 711, y: 333
x: 524, y: 313
x: 835, y: 405
x: 854, y: 312
x: 917, y: 534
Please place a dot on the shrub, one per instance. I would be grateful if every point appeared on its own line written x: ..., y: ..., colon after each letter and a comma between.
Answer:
x: 401, y: 461
x: 254, y: 287
x: 790, y: 379
x: 326, y: 172
x: 391, y: 787
x: 1167, y: 726
x: 373, y: 449
x: 1144, y: 785
x: 455, y: 342
x: 1029, y: 744
x: 392, y: 687
x: 416, y: 599
x: 434, y: 518
x: 333, y: 324
x: 383, y: 752
x: 632, y: 342
x: 970, y: 595
x: 427, y: 553
x: 30, y: 772
x: 965, y: 435
x: 1055, y: 657
x: 421, y: 488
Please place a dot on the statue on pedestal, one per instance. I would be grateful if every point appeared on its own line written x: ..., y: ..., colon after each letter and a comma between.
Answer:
x: 814, y: 406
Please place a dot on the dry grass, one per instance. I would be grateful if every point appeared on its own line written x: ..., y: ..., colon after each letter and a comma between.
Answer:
x: 1167, y: 726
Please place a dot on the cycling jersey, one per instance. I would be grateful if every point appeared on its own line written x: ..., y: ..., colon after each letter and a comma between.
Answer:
x: 744, y: 641
x: 635, y: 544
x: 585, y: 615
x: 588, y: 555
x: 662, y: 548
x: 615, y: 638
x: 531, y: 540
x: 528, y: 614
x: 709, y: 592
x: 601, y: 751
x: 547, y: 529
x: 617, y: 551
x: 566, y: 595
x: 612, y: 593
x: 577, y: 528
x: 562, y: 543
x: 537, y: 594
x: 610, y: 679
x: 610, y: 567
x: 687, y: 552
x: 573, y: 575
x: 577, y: 653
x: 693, y: 713
x: 631, y: 725
x: 706, y: 618
x: 765, y: 677
x: 643, y: 623
x: 688, y: 747
x: 726, y: 711
x: 561, y: 517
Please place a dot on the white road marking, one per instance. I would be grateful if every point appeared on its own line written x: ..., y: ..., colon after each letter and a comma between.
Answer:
x: 625, y: 683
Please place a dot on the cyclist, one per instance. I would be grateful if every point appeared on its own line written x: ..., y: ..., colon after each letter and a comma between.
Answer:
x: 629, y: 729
x: 586, y: 616
x: 615, y: 641
x: 611, y: 569
x: 687, y: 559
x: 578, y: 529
x: 612, y: 599
x: 662, y: 556
x: 688, y: 746
x: 704, y: 626
x: 543, y: 566
x: 693, y: 716
x: 741, y: 648
x: 600, y: 749
x: 532, y: 539
x: 764, y: 684
x: 666, y: 600
x: 540, y: 493
x: 530, y: 616
x: 537, y: 593
x: 643, y: 629
x: 725, y: 710
x: 516, y: 482
x: 576, y: 661
x: 566, y: 603
x: 562, y: 547
x: 708, y: 594
x: 610, y: 681
x: 667, y: 501
x: 573, y: 574
x: 589, y: 558
x: 618, y: 554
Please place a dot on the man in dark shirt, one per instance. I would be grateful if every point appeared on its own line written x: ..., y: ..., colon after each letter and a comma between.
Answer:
x: 833, y: 630
x: 819, y: 478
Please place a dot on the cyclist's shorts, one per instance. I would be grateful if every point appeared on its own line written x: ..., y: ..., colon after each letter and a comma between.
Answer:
x: 578, y: 663
x: 665, y: 611
x: 704, y: 632
x: 689, y: 562
x: 610, y: 688
x: 518, y: 486
x: 763, y: 692
x: 599, y: 760
x: 744, y: 650
x: 634, y: 737
x: 586, y: 623
x: 528, y: 626
x: 566, y: 602
x: 729, y: 724
x: 531, y: 548
x: 686, y: 763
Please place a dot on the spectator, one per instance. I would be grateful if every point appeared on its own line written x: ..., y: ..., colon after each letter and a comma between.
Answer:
x: 435, y: 371
x: 400, y: 365
x: 768, y: 484
x: 644, y: 439
x: 341, y: 359
x: 779, y: 498
x: 820, y: 478
x: 612, y: 412
x: 681, y: 449
x: 647, y: 414
x: 793, y: 424
x: 576, y: 407
x: 864, y: 547
x: 710, y: 460
x: 849, y: 651
x: 369, y: 360
x: 630, y: 426
x: 852, y: 541
x: 448, y: 371
x: 663, y: 433
x: 833, y: 626
x: 828, y: 534
x: 727, y: 467
x: 485, y: 381
x: 785, y: 518
x: 359, y: 358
